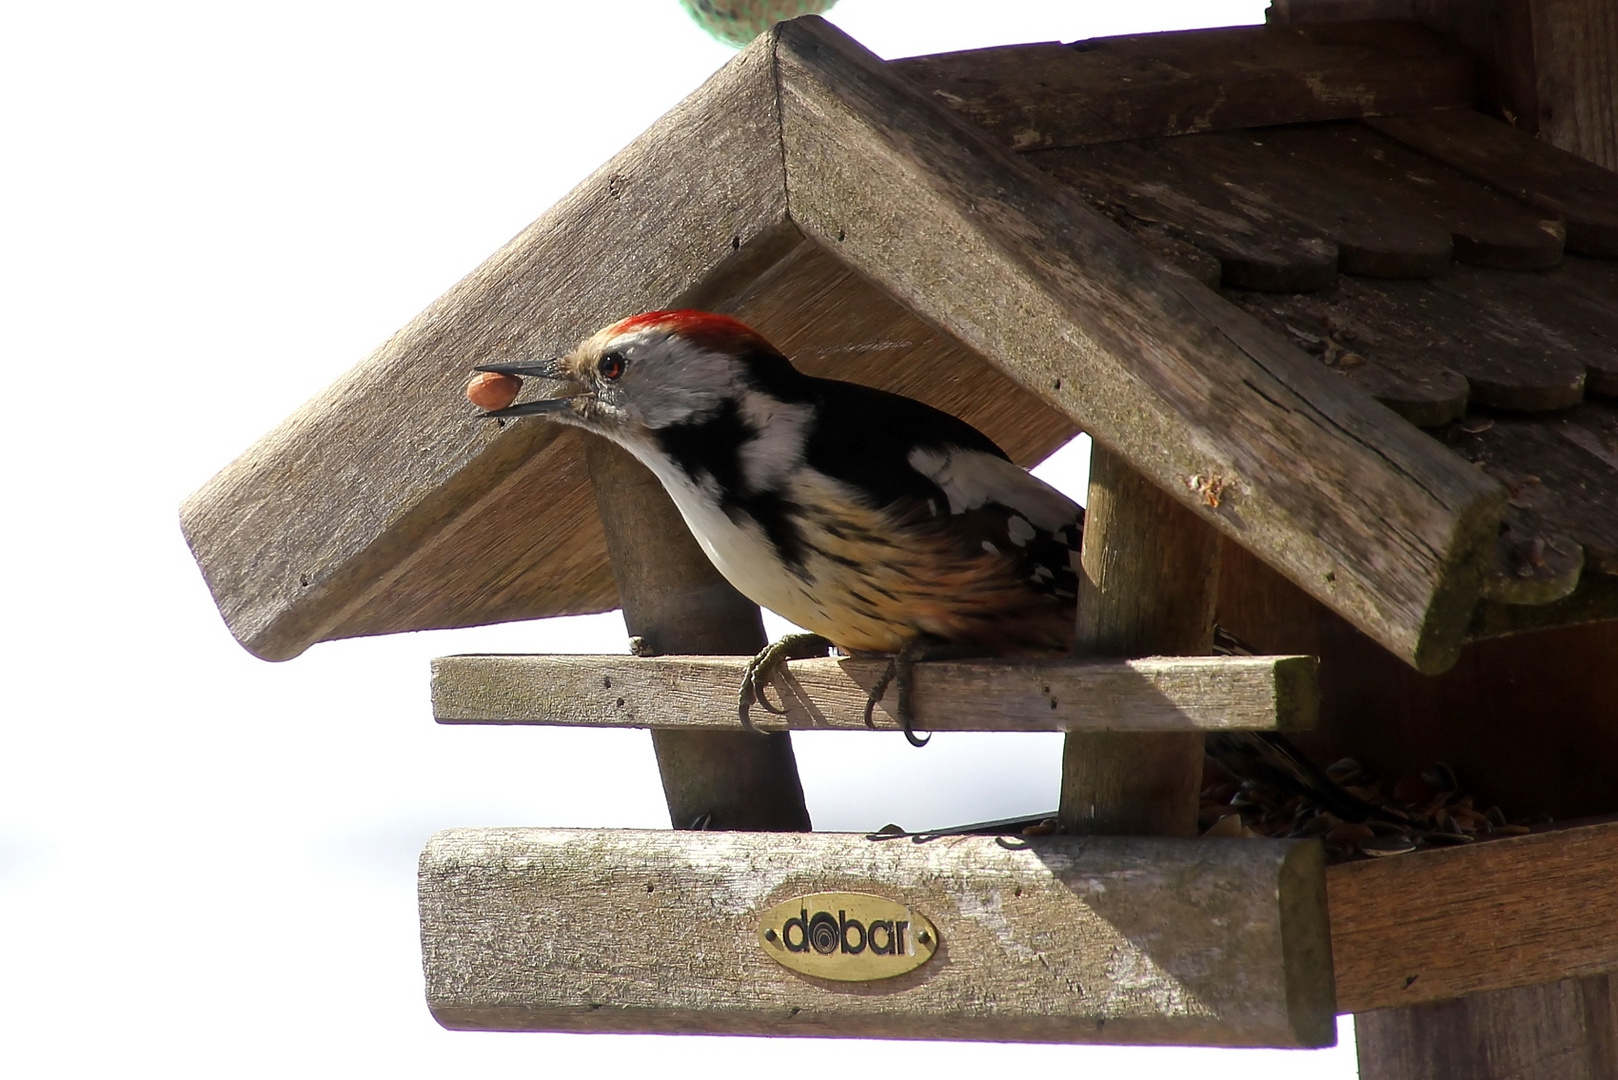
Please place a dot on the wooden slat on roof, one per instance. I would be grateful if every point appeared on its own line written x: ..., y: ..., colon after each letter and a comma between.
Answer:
x: 1583, y: 194
x: 1034, y: 97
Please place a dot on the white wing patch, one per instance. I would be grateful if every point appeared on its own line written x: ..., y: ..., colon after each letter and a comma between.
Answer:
x: 771, y: 455
x: 970, y: 478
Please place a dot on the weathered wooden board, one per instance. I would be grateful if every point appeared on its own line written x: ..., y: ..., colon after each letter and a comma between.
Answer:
x: 1449, y: 922
x: 1375, y: 235
x: 1108, y: 89
x: 1562, y: 469
x: 302, y: 536
x: 1415, y: 335
x: 1353, y: 341
x: 1257, y: 243
x: 1054, y: 939
x: 1355, y: 506
x: 1201, y: 693
x: 1560, y: 304
x: 1488, y: 228
x: 1581, y: 193
x: 1148, y: 582
x: 1565, y: 1030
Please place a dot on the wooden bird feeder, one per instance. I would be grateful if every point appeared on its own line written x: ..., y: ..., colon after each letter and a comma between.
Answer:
x: 1347, y: 343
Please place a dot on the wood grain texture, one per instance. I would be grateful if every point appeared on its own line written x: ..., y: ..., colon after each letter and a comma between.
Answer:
x: 1488, y: 228
x: 1148, y: 582
x: 1054, y: 939
x: 1583, y: 194
x: 1415, y: 335
x: 1374, y: 233
x: 1353, y: 342
x: 1257, y: 243
x: 1446, y: 923
x: 676, y: 601
x: 1528, y: 721
x: 1572, y: 304
x: 1325, y: 484
x: 301, y: 538
x: 1566, y: 1030
x: 1576, y: 67
x: 1109, y: 89
x: 1206, y: 693
x: 1562, y: 471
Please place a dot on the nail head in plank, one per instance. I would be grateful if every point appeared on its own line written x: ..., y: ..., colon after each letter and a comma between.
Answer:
x: 1582, y: 193
x: 1105, y: 89
x: 1156, y: 694
x: 1055, y: 939
x: 1444, y: 923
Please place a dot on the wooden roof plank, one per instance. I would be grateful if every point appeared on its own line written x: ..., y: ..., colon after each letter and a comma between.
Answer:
x: 1155, y: 694
x: 298, y: 536
x: 1488, y: 228
x: 1360, y: 510
x: 1032, y: 97
x: 1258, y: 245
x: 1040, y: 939
x: 1563, y: 469
x: 1375, y: 236
x: 1420, y: 329
x: 1442, y: 924
x: 1553, y: 305
x: 1412, y: 382
x: 1584, y: 194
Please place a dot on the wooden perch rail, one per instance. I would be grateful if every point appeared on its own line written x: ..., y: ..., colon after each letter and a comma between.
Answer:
x: 1069, y: 939
x: 1202, y: 693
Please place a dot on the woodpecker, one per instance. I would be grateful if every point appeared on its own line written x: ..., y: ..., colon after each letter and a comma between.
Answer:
x: 877, y: 523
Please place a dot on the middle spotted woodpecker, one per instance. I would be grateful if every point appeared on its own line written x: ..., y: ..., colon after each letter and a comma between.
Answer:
x: 875, y: 522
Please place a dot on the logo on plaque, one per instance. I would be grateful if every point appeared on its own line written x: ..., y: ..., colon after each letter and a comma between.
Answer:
x: 848, y: 936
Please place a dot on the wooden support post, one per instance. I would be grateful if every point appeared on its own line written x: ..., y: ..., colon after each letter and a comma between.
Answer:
x: 1564, y: 1030
x: 677, y: 603
x: 1150, y: 579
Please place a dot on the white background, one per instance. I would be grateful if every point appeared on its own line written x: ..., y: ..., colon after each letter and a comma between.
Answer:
x: 207, y: 213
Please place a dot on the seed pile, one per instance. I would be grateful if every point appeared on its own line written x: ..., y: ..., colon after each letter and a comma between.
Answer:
x: 1423, y: 810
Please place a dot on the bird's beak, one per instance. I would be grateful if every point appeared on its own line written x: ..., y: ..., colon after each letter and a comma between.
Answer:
x: 544, y: 369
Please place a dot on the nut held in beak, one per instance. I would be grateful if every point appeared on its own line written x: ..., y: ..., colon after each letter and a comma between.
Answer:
x: 490, y: 390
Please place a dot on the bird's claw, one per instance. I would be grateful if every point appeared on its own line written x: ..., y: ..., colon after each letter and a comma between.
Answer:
x: 759, y: 670
x: 901, y: 669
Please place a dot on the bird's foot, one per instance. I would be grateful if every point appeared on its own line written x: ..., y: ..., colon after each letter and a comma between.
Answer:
x: 756, y: 676
x: 901, y: 672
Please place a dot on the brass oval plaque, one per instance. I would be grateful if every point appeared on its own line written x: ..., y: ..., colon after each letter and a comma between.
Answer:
x: 848, y: 936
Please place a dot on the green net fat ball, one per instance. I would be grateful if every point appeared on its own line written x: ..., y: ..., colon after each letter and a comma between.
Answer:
x: 736, y: 22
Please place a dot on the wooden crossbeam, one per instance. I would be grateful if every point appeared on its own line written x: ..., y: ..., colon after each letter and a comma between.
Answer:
x: 1190, y: 694
x: 1491, y: 916
x: 1056, y: 939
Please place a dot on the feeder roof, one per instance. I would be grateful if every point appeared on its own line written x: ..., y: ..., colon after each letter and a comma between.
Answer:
x: 1288, y: 274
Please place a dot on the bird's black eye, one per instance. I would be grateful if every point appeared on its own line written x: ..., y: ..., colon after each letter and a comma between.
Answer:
x: 611, y: 366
